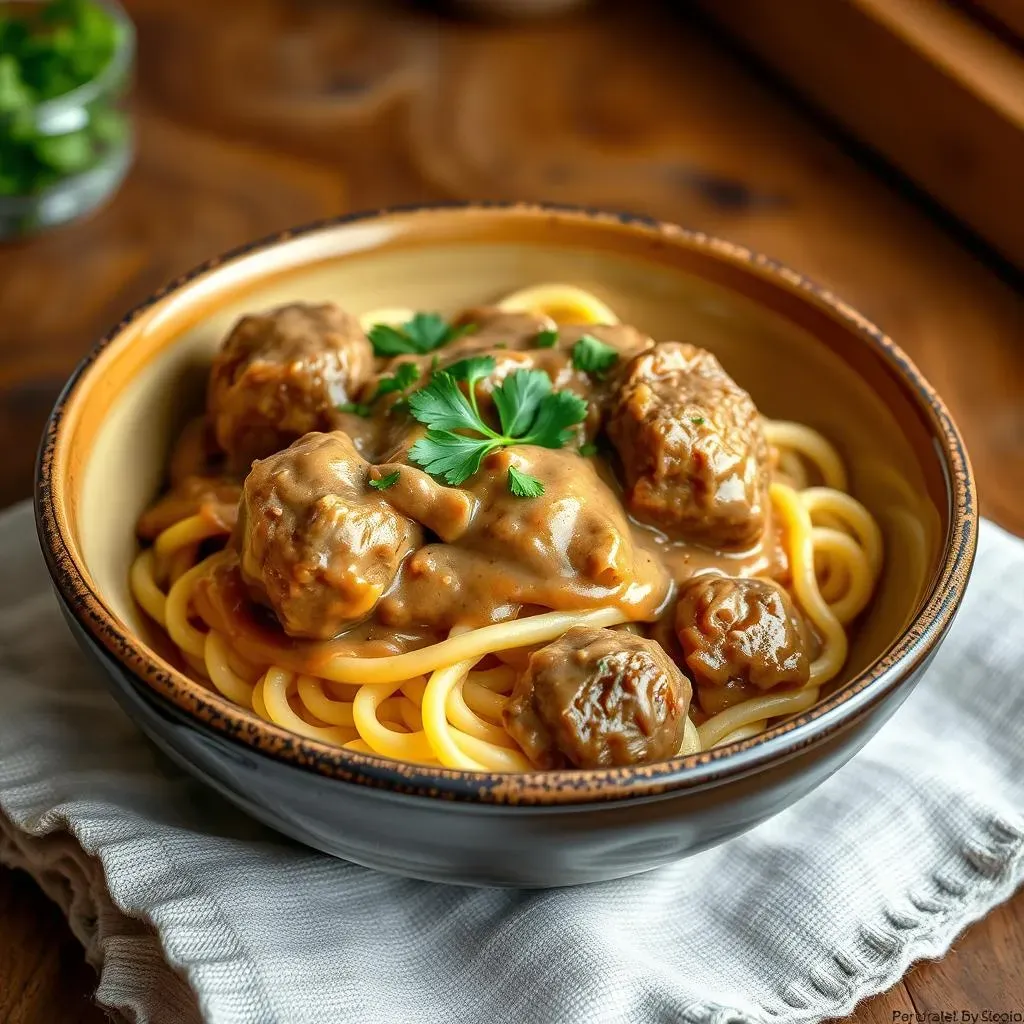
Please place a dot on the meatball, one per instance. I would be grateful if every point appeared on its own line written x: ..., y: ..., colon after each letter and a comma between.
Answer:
x: 596, y: 698
x: 317, y: 544
x: 739, y: 632
x: 693, y: 452
x: 282, y: 374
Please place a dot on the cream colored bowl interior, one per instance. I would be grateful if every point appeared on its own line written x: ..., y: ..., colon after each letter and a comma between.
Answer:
x: 146, y: 384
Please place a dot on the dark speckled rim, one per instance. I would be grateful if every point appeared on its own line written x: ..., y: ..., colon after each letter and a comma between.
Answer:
x: 858, y: 697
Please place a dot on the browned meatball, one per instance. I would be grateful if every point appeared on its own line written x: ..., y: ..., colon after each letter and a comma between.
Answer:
x: 317, y: 543
x: 693, y: 452
x: 596, y: 698
x: 281, y: 374
x: 735, y: 632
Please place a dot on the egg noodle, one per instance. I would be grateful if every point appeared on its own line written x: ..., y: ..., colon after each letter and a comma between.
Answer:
x: 438, y: 704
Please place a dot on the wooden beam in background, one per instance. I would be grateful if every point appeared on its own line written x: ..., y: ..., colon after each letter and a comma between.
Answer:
x: 919, y: 81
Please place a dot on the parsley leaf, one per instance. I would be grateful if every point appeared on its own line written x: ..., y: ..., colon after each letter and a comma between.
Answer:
x: 48, y: 49
x: 522, y: 485
x: 456, y: 458
x: 593, y: 356
x: 403, y: 377
x: 442, y: 406
x: 66, y: 154
x: 14, y: 94
x: 528, y: 410
x: 385, y: 481
x: 556, y: 417
x: 357, y: 408
x: 697, y: 419
x: 406, y: 375
x: 391, y: 341
x: 430, y: 330
x: 588, y: 449
x: 518, y: 398
x: 546, y: 339
x: 472, y: 369
x: 422, y: 334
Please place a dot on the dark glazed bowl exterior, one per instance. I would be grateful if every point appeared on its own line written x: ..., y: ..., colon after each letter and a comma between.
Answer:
x: 533, y: 829
x: 475, y: 843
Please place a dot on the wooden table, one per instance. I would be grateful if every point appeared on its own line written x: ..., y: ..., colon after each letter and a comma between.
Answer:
x: 257, y: 114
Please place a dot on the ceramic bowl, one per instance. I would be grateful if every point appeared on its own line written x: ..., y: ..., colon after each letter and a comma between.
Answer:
x: 801, y: 352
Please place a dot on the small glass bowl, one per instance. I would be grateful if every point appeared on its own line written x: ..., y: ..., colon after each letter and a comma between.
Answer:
x: 87, y: 131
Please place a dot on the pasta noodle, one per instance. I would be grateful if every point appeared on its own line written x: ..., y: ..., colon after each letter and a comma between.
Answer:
x: 564, y: 303
x: 437, y: 704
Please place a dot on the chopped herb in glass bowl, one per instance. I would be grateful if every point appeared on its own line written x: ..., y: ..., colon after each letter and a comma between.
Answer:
x: 65, y: 137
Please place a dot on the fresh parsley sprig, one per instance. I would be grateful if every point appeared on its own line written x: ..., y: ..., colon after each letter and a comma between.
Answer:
x: 522, y: 485
x: 356, y: 408
x: 48, y: 50
x: 458, y: 438
x: 384, y: 482
x: 591, y: 355
x: 404, y: 377
x: 422, y: 334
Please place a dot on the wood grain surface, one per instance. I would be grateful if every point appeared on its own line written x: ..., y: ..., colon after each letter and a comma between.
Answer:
x: 256, y: 114
x: 922, y: 81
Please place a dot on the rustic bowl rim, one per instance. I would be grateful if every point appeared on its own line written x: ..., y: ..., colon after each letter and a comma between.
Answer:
x: 206, y: 710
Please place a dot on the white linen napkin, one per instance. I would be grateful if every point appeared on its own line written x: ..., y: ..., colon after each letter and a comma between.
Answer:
x: 191, y: 912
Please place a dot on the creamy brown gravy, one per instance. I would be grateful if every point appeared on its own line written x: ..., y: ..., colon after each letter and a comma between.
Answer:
x: 487, y: 555
x: 569, y: 549
x: 223, y: 600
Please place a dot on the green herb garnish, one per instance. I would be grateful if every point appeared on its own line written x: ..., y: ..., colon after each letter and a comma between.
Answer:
x: 14, y: 93
x: 593, y: 356
x: 546, y: 339
x: 406, y: 375
x: 473, y: 368
x: 697, y: 419
x: 528, y: 410
x: 357, y: 408
x: 522, y: 485
x: 46, y: 51
x: 385, y: 481
x: 422, y: 334
x: 588, y: 449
